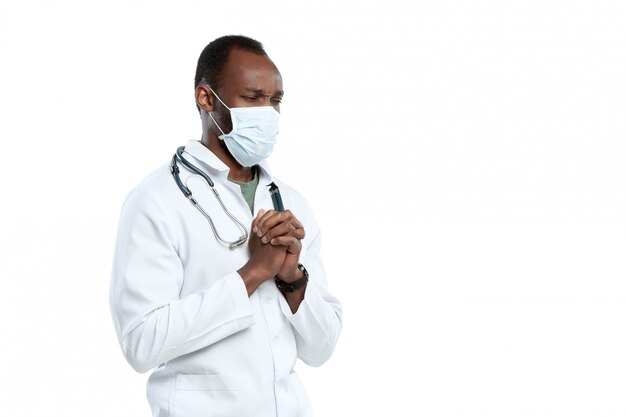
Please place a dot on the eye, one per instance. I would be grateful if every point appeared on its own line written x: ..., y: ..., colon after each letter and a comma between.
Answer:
x: 277, y: 100
x: 250, y: 98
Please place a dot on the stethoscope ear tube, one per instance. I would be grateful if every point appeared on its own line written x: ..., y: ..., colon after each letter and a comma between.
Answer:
x: 191, y: 167
x: 176, y: 173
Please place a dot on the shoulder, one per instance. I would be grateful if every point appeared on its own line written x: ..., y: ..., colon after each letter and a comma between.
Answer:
x: 154, y: 192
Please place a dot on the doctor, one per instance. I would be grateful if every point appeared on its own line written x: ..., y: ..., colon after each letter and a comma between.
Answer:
x: 220, y: 314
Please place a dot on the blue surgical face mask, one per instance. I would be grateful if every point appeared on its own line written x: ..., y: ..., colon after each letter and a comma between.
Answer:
x: 254, y: 132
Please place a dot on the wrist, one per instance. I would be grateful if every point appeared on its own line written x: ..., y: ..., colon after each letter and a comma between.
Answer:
x: 252, y: 277
x: 293, y: 285
x: 294, y: 275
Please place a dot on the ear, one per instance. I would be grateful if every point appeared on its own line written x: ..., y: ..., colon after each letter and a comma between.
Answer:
x: 204, y: 98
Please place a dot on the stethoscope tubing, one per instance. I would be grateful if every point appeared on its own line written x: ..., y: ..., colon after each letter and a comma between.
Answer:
x: 187, y: 193
x: 178, y: 156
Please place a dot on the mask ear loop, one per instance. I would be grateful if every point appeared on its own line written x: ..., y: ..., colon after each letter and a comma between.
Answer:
x: 218, y: 126
x: 218, y: 97
x: 211, y: 113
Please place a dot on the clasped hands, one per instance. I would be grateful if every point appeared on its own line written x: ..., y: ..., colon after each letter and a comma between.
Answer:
x: 275, y: 246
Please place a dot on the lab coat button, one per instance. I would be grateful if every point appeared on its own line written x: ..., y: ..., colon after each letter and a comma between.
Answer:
x: 281, y: 386
x: 267, y: 300
x: 275, y: 340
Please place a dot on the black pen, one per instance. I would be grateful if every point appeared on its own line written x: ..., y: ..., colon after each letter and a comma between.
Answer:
x: 276, y: 198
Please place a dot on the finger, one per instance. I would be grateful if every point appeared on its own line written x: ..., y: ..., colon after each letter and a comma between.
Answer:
x: 294, y: 226
x: 299, y: 228
x: 255, y: 221
x: 271, y: 219
x: 297, y: 223
x: 281, y: 229
x: 263, y: 217
x: 298, y: 233
x: 293, y: 245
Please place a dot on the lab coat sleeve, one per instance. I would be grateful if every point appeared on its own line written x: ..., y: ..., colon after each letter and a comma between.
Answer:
x: 153, y: 323
x: 317, y: 322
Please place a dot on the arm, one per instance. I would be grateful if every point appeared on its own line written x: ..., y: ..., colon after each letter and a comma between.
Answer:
x: 153, y: 324
x: 317, y: 322
x: 313, y: 312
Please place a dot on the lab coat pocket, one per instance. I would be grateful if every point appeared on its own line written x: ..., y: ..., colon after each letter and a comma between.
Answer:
x: 223, y: 395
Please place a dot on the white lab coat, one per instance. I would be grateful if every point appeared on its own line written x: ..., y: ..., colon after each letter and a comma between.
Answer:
x: 179, y: 305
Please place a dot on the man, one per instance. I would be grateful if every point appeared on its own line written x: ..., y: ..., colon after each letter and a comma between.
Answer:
x: 221, y: 321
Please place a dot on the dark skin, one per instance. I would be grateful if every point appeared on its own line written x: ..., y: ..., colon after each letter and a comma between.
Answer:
x: 275, y: 244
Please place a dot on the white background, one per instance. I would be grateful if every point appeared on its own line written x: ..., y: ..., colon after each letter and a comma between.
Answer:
x: 466, y: 161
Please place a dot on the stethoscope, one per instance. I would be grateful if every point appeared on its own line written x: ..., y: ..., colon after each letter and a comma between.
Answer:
x: 178, y: 156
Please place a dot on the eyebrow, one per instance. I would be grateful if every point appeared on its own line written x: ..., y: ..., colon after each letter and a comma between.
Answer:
x: 260, y: 92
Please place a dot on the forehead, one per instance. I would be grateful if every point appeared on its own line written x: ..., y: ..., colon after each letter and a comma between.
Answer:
x: 246, y: 69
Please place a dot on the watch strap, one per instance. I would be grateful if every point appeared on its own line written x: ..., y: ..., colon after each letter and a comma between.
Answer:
x: 292, y: 286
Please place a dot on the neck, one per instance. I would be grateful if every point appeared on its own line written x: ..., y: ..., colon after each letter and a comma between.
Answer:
x: 236, y: 172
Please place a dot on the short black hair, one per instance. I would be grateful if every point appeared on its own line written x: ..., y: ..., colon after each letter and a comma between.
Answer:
x: 215, y: 55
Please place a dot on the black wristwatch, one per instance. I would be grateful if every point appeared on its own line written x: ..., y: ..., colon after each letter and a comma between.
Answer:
x: 292, y: 286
